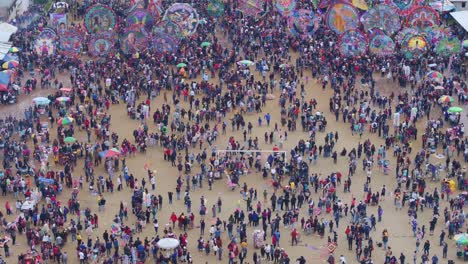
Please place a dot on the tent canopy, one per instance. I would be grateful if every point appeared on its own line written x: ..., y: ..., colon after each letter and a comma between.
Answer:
x: 4, y: 49
x: 462, y: 18
x: 6, y: 30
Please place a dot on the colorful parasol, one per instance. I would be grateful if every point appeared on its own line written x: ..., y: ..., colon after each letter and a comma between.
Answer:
x: 205, y: 44
x: 41, y: 101
x: 14, y: 50
x: 246, y: 63
x: 62, y: 99
x: 435, y: 76
x: 113, y: 152
x: 285, y: 7
x: 458, y: 236
x: 69, y: 140
x: 382, y: 45
x: 66, y: 90
x: 342, y: 17
x: 382, y: 17
x: 65, y: 121
x: 352, y: 43
x: 446, y: 99
x: 10, y: 64
x: 455, y: 109
x: 181, y: 65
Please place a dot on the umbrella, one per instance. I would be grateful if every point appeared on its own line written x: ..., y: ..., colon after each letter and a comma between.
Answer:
x: 435, y: 76
x: 181, y: 65
x: 245, y: 62
x: 41, y: 101
x: 65, y: 121
x: 168, y: 243
x: 458, y: 236
x: 455, y: 109
x: 113, y: 152
x: 69, y: 140
x: 446, y: 99
x: 10, y: 64
x: 63, y: 99
x: 9, y: 71
x: 465, y: 43
x: 205, y: 44
x: 67, y: 90
x: 439, y: 87
x: 14, y: 49
x: 284, y: 66
x: 462, y: 240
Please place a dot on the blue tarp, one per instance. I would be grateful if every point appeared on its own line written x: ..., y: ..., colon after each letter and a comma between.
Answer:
x: 4, y: 81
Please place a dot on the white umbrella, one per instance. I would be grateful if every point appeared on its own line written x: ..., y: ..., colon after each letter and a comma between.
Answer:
x: 168, y: 243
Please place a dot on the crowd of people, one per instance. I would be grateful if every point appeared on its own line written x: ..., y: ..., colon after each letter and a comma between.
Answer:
x: 213, y: 98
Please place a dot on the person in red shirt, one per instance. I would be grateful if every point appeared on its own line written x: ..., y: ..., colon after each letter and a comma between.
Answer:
x: 294, y: 236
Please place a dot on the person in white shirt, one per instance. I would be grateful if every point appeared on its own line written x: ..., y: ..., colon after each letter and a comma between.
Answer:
x: 342, y: 260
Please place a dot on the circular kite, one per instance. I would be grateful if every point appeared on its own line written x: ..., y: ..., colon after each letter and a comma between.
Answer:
x: 404, y: 6
x: 352, y: 43
x: 382, y: 45
x: 99, y: 18
x: 285, y: 7
x: 133, y: 41
x: 250, y: 7
x: 71, y: 43
x: 406, y: 33
x: 183, y: 15
x: 342, y: 17
x: 101, y: 44
x: 423, y: 17
x: 383, y: 17
x: 163, y: 41
x: 302, y: 23
x: 45, y: 42
x: 435, y: 34
x: 140, y: 18
x: 215, y: 8
x: 371, y: 33
x: 415, y: 46
x: 448, y: 45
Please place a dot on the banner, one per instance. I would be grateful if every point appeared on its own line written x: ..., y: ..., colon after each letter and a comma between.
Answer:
x: 58, y: 21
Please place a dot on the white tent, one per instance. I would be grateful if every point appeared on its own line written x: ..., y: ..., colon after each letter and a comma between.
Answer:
x: 6, y: 30
x: 4, y: 48
x: 462, y: 18
x: 443, y: 5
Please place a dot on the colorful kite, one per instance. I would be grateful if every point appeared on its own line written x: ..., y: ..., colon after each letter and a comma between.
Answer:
x: 183, y: 15
x: 251, y: 7
x: 215, y: 8
x: 448, y: 46
x: 140, y: 18
x: 101, y: 44
x: 44, y: 44
x: 352, y: 43
x: 382, y: 45
x: 361, y: 4
x: 414, y: 46
x: 383, y: 17
x: 371, y: 33
x: 434, y: 34
x: 342, y: 17
x: 163, y: 41
x: 404, y: 6
x: 133, y: 41
x: 405, y: 34
x: 99, y: 18
x: 71, y: 43
x: 303, y: 23
x: 285, y: 7
x: 423, y: 17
